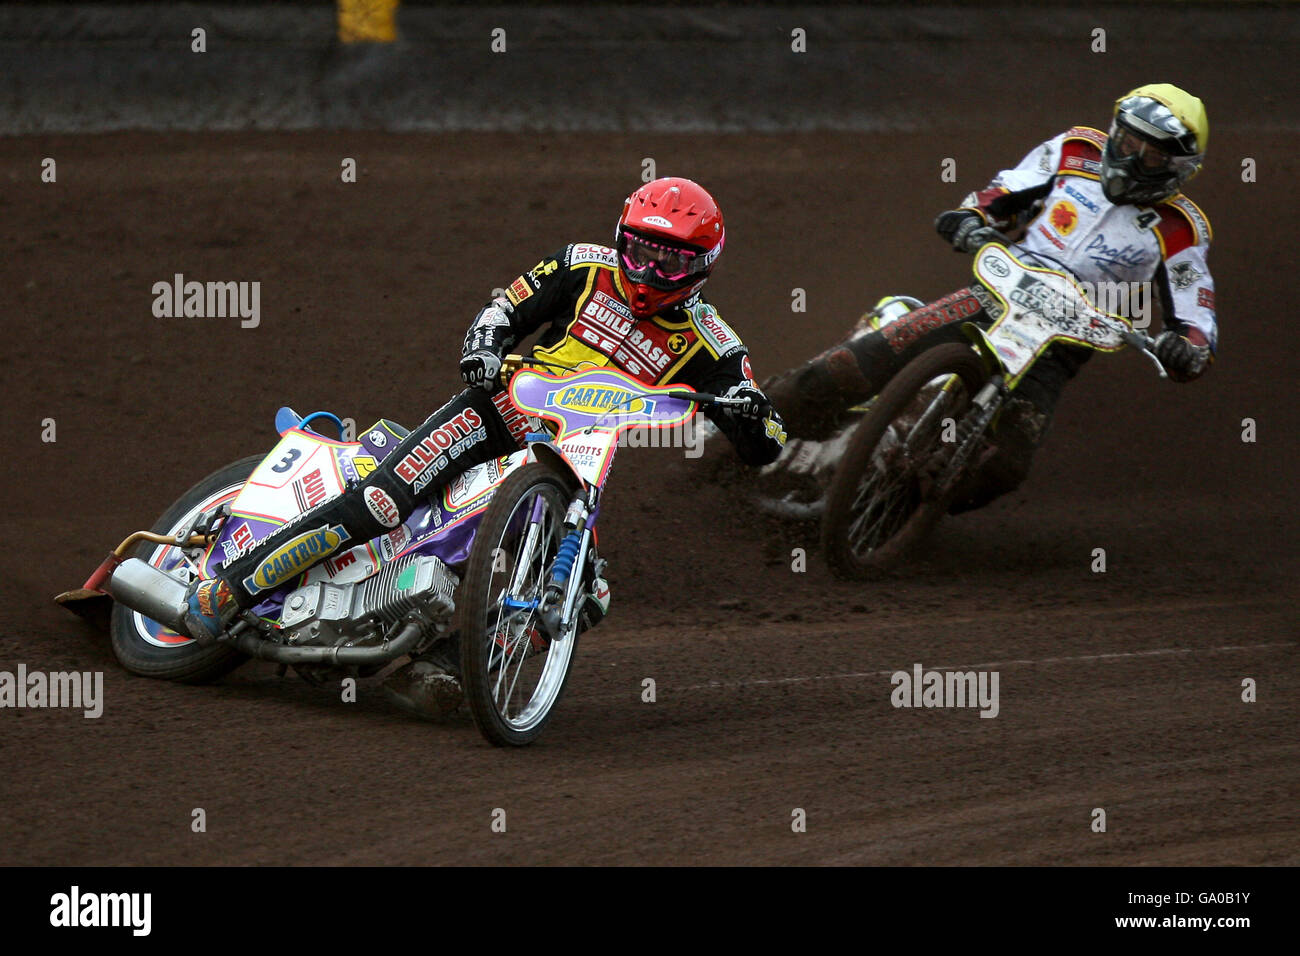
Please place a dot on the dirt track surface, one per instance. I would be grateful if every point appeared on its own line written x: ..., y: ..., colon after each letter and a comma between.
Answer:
x: 1118, y: 690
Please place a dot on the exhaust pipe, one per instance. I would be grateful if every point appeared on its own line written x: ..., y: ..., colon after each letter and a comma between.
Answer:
x: 254, y: 646
x: 155, y: 594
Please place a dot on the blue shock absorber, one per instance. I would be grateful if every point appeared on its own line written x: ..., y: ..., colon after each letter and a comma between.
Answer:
x: 565, y: 556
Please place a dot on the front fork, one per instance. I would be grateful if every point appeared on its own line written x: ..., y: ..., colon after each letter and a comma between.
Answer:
x: 971, y: 429
x: 564, y: 590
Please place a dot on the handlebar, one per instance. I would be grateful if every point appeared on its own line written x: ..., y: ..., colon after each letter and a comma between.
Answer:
x: 1144, y: 344
x: 991, y: 234
x: 704, y: 398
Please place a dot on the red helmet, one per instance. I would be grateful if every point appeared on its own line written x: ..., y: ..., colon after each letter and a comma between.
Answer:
x: 668, y: 239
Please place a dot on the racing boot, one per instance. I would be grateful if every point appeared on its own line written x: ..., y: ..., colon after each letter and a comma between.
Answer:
x: 429, y: 686
x: 595, y: 605
x: 211, y: 608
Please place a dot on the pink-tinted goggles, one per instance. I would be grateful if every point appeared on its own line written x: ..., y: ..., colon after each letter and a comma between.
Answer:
x: 643, y: 258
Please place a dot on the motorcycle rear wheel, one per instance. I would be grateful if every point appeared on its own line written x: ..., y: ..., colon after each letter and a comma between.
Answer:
x: 143, y: 646
x: 881, y: 504
x: 513, y: 678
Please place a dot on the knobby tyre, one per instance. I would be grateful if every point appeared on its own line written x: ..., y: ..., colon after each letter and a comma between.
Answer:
x: 513, y: 678
x: 143, y: 646
x: 882, y: 502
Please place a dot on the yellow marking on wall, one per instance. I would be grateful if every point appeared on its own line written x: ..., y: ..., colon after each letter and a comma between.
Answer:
x: 367, y: 21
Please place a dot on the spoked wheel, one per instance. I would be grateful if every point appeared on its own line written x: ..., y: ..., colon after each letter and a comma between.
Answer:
x: 142, y: 645
x: 513, y: 675
x: 882, y: 502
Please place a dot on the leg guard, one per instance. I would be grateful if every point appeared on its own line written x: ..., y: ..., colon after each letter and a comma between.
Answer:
x: 465, y: 432
x: 813, y: 398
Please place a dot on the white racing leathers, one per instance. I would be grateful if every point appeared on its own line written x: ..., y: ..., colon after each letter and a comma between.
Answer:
x: 1125, y: 257
x: 1127, y: 254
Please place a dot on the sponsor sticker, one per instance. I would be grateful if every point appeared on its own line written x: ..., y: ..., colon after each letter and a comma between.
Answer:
x: 1094, y: 136
x: 716, y: 332
x: 773, y: 429
x: 951, y: 308
x: 1183, y: 275
x: 657, y: 221
x: 1083, y: 165
x: 543, y: 268
x: 1194, y: 216
x: 1063, y: 217
x: 391, y: 544
x: 1050, y: 238
x: 1205, y: 298
x: 997, y: 266
x: 591, y: 252
x: 295, y: 556
x: 518, y: 291
x: 1078, y: 197
x: 377, y: 438
x: 382, y: 506
x: 309, y: 490
x: 240, y: 540
x: 333, y: 567
x: 439, y: 448
x: 597, y: 399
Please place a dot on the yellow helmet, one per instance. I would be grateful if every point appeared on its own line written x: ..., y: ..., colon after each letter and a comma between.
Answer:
x: 1157, y: 143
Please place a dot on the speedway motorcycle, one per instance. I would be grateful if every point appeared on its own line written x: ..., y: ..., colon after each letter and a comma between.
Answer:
x: 880, y: 484
x: 501, y: 560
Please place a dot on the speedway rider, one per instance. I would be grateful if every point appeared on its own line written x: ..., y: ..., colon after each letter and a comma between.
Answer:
x: 638, y: 308
x: 1108, y: 208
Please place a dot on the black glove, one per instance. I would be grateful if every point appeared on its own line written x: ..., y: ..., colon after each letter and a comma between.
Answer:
x: 1182, y: 359
x: 757, y: 406
x: 965, y: 229
x: 955, y: 225
x: 480, y: 369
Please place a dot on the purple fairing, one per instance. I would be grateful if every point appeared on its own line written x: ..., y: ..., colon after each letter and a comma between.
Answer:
x: 547, y: 396
x: 446, y: 532
x: 432, y: 528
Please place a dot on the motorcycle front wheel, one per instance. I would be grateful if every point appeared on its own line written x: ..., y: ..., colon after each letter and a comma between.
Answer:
x: 882, y: 502
x: 513, y: 675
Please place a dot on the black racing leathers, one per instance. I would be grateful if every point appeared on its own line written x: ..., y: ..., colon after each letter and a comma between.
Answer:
x: 575, y: 298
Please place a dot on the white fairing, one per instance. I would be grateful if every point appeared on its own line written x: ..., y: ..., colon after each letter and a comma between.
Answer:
x: 1042, y: 305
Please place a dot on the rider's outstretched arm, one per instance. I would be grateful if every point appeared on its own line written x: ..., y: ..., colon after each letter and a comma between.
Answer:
x: 757, y: 432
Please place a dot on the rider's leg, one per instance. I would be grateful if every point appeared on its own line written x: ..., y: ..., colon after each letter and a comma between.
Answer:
x: 814, y: 397
x: 466, y: 431
x: 1020, y: 429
